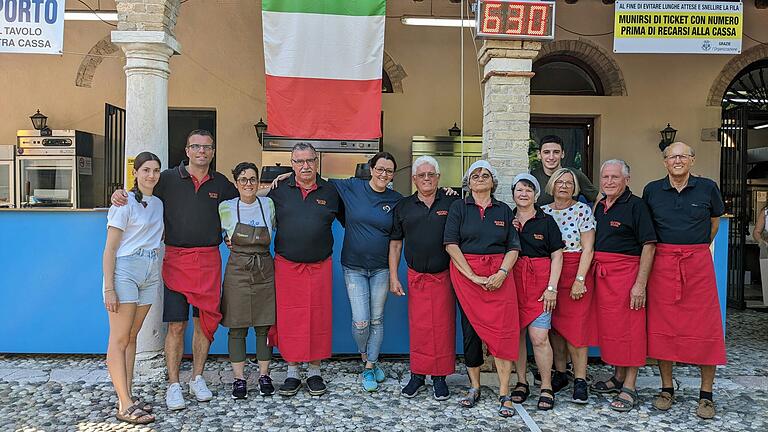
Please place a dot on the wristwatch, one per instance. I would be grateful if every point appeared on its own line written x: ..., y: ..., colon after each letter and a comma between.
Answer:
x: 505, y: 271
x: 580, y: 278
x: 550, y: 288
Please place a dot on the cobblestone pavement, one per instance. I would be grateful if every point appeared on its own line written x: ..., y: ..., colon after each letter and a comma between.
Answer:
x: 73, y: 393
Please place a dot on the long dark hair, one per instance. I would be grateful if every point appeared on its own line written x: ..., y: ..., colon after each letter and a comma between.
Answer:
x: 140, y: 160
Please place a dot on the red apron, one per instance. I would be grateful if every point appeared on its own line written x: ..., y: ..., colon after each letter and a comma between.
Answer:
x: 621, y: 330
x: 684, y: 321
x: 432, y: 323
x: 574, y: 319
x: 493, y: 314
x: 196, y: 273
x: 304, y: 300
x: 531, y: 280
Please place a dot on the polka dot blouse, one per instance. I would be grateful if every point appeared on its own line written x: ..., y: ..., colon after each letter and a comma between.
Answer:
x: 572, y: 221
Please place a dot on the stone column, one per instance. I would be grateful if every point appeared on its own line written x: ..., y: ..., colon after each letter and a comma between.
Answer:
x: 146, y: 129
x: 506, y: 108
x: 506, y: 114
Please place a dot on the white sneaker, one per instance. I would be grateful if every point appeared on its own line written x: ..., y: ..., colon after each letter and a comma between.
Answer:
x: 174, y: 400
x: 199, y: 389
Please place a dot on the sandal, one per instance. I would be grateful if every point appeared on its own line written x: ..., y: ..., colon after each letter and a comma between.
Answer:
x: 469, y: 401
x: 144, y: 406
x: 621, y: 404
x: 602, y: 386
x: 135, y: 415
x: 505, y: 411
x: 546, y: 403
x: 519, y: 396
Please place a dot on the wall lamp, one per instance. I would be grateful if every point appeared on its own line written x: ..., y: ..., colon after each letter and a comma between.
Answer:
x: 261, y: 128
x: 667, y: 137
x: 40, y: 122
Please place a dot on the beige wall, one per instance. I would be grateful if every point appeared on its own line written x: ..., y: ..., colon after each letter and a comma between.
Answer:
x: 222, y: 67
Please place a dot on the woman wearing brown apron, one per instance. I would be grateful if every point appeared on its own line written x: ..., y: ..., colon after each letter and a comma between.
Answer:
x: 248, y: 295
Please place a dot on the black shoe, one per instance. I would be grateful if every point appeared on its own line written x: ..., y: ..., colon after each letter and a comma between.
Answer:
x: 440, y: 388
x: 290, y: 387
x: 266, y: 388
x: 580, y: 392
x: 414, y: 386
x: 559, y: 381
x: 536, y: 376
x: 239, y: 389
x: 315, y: 385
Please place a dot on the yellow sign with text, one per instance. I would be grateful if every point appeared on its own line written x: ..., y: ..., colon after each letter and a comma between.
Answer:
x: 129, y: 179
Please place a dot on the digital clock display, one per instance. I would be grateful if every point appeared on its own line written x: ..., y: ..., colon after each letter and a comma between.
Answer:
x: 515, y: 19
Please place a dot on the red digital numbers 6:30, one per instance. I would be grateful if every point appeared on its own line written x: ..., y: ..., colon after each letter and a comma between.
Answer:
x: 516, y: 19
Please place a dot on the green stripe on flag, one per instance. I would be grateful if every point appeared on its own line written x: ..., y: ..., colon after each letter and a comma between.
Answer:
x: 328, y: 7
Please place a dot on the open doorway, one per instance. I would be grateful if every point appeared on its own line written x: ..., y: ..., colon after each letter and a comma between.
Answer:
x: 180, y: 123
x: 577, y: 134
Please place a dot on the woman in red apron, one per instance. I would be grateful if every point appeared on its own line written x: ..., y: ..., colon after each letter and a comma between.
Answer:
x: 248, y: 295
x: 572, y: 321
x: 483, y: 246
x: 536, y: 274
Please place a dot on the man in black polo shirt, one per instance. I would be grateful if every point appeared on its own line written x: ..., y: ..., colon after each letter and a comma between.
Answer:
x: 624, y: 248
x: 551, y: 155
x: 191, y: 194
x: 684, y: 321
x: 305, y: 207
x: 420, y: 220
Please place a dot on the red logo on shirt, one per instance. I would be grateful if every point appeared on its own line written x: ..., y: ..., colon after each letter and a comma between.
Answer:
x: 442, y: 212
x: 499, y: 223
x: 615, y: 224
x: 320, y: 202
x: 214, y: 195
x: 538, y: 236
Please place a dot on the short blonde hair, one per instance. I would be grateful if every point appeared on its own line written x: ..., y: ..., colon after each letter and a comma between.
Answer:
x: 550, y: 188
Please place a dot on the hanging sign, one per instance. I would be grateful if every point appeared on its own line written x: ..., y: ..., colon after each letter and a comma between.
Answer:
x: 678, y: 27
x: 32, y: 26
x: 515, y: 19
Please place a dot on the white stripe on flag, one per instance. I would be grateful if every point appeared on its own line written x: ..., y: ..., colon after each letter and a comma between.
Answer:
x: 323, y: 46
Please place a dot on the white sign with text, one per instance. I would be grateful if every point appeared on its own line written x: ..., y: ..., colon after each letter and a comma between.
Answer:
x: 32, y: 26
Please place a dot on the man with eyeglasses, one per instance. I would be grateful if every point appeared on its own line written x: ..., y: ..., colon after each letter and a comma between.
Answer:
x: 305, y: 207
x: 419, y: 221
x: 191, y: 194
x: 551, y: 154
x: 684, y: 321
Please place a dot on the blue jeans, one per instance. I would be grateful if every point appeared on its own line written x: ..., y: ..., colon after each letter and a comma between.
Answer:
x: 367, y: 291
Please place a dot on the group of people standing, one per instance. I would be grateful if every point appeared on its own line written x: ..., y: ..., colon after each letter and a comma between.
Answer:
x: 548, y: 264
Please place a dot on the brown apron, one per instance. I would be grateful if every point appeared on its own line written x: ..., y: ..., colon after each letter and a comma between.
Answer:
x: 248, y: 295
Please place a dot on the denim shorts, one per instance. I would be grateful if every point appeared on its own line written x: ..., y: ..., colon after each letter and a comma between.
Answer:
x: 138, y: 277
x: 543, y: 321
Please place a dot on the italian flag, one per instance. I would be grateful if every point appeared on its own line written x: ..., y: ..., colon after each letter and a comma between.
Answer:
x: 323, y: 62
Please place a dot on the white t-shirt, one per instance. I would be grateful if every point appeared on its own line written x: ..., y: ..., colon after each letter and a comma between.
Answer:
x: 249, y: 214
x: 142, y: 227
x: 572, y: 221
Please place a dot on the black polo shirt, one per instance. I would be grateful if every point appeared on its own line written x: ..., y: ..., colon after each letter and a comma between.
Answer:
x: 192, y: 215
x: 493, y: 233
x: 683, y: 217
x: 304, y: 225
x: 540, y: 236
x: 625, y: 227
x: 422, y: 229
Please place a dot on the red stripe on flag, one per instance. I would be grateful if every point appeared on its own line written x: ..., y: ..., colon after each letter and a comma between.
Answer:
x: 323, y: 108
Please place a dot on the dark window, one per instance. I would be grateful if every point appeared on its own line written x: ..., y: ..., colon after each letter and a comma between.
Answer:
x: 386, y: 83
x: 565, y: 75
x: 750, y: 88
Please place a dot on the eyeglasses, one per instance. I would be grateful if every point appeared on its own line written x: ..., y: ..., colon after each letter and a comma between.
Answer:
x: 380, y: 171
x: 476, y: 177
x: 198, y: 147
x: 242, y: 181
x: 305, y: 161
x: 426, y: 175
x: 682, y: 157
x: 561, y: 183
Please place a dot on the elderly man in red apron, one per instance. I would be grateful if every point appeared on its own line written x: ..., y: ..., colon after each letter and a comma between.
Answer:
x: 624, y: 247
x: 305, y: 208
x: 684, y: 318
x: 419, y: 221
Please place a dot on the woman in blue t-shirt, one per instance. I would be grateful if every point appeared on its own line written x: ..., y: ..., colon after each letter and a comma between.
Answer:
x: 368, y: 206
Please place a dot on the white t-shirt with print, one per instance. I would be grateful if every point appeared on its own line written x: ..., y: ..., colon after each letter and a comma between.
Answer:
x: 142, y: 226
x: 249, y: 214
x: 572, y: 221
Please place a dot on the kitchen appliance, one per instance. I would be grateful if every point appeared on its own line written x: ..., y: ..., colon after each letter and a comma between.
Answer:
x: 65, y: 169
x: 7, y: 152
x: 270, y: 172
x: 454, y: 154
x: 337, y: 158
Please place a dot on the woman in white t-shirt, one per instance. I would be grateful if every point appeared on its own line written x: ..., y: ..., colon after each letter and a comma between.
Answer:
x: 132, y: 280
